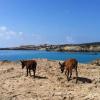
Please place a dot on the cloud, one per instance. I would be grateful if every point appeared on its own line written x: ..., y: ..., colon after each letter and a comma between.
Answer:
x: 69, y: 39
x: 10, y: 38
x: 3, y: 28
x: 6, y: 34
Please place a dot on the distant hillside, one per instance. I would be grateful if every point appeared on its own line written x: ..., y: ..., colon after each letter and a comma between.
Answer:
x: 93, y: 43
x: 86, y: 47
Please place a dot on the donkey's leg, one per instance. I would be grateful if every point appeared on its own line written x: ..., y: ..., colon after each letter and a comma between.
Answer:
x: 76, y: 75
x: 70, y: 71
x: 68, y: 75
x: 30, y: 72
x: 34, y: 73
x: 27, y: 71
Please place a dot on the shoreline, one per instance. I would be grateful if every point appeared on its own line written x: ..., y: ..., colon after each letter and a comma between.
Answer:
x: 85, y: 47
x: 96, y: 61
x: 70, y: 51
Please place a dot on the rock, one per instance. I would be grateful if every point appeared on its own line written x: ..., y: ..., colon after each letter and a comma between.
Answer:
x: 96, y: 62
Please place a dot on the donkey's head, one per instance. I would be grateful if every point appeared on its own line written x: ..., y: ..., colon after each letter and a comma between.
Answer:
x: 61, y: 67
x: 23, y: 63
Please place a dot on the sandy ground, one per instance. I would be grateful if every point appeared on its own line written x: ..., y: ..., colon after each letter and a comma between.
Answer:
x: 49, y: 84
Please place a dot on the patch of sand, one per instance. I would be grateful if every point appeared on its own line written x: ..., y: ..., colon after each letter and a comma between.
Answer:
x: 49, y: 84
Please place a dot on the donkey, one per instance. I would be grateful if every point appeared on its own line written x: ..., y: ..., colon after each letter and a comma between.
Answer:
x: 68, y: 65
x: 30, y: 65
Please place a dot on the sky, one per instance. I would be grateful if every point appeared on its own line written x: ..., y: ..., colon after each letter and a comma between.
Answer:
x: 34, y: 22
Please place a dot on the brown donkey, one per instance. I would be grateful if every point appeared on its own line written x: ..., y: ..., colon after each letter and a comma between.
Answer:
x: 68, y: 65
x: 30, y: 65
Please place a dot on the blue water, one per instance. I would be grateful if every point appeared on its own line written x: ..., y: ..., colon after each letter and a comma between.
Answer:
x: 13, y: 55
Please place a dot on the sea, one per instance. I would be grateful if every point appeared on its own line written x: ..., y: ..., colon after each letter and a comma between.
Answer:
x: 15, y: 55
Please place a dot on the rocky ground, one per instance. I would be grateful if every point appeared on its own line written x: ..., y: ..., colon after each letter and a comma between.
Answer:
x: 49, y: 84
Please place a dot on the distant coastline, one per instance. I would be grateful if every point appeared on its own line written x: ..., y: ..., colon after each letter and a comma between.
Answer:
x: 85, y: 47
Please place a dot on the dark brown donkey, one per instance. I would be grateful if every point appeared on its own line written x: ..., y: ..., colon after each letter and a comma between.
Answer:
x: 30, y: 65
x: 68, y: 65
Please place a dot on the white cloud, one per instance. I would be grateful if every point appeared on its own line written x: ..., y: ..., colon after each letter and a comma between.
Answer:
x: 3, y: 28
x: 20, y: 33
x: 69, y: 39
x: 9, y: 38
x: 6, y: 33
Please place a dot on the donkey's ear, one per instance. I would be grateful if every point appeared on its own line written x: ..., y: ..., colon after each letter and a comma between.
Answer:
x: 60, y: 64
